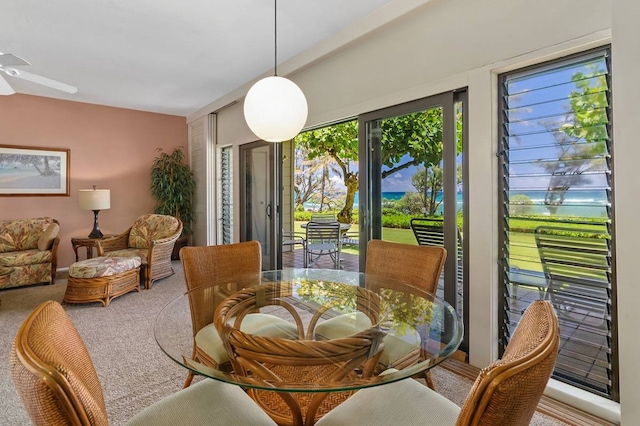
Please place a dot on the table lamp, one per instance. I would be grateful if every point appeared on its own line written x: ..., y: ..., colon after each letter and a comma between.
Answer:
x: 96, y: 200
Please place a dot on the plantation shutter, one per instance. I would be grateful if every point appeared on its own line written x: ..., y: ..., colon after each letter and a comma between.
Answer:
x: 226, y: 188
x: 556, y: 196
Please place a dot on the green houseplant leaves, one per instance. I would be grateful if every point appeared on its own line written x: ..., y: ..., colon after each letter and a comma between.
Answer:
x: 173, y: 184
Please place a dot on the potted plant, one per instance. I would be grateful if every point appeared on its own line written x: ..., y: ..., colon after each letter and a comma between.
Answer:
x: 173, y: 184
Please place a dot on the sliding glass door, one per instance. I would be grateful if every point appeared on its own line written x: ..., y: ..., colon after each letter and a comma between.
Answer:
x: 411, y: 170
x: 260, y: 199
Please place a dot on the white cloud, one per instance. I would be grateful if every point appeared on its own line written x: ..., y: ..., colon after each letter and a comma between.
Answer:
x: 338, y: 183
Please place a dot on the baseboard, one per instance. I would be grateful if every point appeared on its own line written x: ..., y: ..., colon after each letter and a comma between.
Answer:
x: 547, y: 406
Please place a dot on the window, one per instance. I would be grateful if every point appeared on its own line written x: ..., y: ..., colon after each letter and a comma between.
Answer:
x: 226, y: 196
x: 557, y: 234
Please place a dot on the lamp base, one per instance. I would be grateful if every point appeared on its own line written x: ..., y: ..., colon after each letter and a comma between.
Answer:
x: 95, y: 232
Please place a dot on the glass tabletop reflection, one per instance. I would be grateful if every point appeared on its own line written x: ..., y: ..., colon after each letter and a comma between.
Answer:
x: 410, y: 319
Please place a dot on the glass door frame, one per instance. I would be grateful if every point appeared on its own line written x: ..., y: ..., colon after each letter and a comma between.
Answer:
x: 370, y: 183
x: 274, y: 202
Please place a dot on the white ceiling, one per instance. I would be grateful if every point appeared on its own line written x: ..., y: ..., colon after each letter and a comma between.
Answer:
x: 166, y: 56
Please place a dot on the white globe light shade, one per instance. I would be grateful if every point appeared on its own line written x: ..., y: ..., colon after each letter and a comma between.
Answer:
x: 275, y: 109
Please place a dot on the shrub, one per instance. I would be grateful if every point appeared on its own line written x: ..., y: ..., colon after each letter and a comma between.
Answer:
x: 521, y: 204
x: 411, y: 203
x: 302, y: 216
x: 396, y: 220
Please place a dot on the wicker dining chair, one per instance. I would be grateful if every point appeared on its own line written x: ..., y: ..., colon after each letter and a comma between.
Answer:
x: 505, y: 393
x: 239, y: 263
x: 297, y: 361
x: 151, y: 238
x: 58, y: 384
x: 420, y: 266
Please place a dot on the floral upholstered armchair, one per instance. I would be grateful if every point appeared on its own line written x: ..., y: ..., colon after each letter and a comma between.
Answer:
x: 151, y: 237
x: 28, y: 251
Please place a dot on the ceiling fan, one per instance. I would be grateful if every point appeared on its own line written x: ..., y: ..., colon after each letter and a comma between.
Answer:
x: 8, y: 62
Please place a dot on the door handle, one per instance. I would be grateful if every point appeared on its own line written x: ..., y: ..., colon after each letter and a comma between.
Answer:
x: 269, y: 210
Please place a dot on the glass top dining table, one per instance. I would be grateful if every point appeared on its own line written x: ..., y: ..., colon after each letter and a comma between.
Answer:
x: 318, y: 295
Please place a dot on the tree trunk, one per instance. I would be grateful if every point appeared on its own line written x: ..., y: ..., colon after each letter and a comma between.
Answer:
x: 351, y: 182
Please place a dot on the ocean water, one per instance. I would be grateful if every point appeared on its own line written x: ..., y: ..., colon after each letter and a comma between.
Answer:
x: 590, y: 203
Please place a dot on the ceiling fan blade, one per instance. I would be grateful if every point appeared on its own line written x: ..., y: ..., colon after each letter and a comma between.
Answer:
x: 41, y: 80
x: 9, y: 60
x: 5, y: 88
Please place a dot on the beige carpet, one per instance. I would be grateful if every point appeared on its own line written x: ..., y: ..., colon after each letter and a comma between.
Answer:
x: 133, y: 370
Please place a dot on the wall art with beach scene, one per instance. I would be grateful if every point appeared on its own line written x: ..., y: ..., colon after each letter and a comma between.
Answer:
x: 26, y: 171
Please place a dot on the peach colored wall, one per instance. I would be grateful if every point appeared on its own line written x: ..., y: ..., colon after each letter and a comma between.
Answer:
x: 112, y: 148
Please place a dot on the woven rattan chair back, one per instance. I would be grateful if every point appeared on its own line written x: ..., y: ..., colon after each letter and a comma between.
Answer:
x: 508, y: 391
x: 419, y: 266
x: 238, y: 264
x: 53, y: 372
x: 203, y: 266
x: 284, y: 360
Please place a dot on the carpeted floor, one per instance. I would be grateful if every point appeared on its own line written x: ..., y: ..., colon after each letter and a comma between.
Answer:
x: 132, y: 369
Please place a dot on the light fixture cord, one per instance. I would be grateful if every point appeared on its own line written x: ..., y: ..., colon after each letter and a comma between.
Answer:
x: 275, y: 37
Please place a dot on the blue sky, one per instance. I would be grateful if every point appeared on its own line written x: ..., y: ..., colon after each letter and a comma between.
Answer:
x: 535, y: 99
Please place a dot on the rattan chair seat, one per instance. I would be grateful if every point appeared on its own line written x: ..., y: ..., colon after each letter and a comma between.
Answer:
x: 419, y: 266
x: 237, y: 264
x: 58, y: 384
x: 282, y: 360
x: 505, y: 393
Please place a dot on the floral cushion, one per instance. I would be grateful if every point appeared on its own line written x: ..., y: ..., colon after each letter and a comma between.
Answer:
x: 25, y: 257
x: 103, y: 266
x: 22, y: 234
x: 151, y: 227
x: 141, y: 253
x: 23, y: 275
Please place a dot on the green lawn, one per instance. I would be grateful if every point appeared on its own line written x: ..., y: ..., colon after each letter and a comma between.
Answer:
x: 523, y: 250
x: 398, y: 235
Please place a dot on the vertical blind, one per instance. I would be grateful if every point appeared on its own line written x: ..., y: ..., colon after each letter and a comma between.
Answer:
x: 556, y: 226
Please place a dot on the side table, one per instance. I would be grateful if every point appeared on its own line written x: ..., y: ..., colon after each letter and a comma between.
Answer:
x: 87, y: 242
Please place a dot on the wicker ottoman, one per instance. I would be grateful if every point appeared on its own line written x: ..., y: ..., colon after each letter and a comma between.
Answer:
x: 101, y: 279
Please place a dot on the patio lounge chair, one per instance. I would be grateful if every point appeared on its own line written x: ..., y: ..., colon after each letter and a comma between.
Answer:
x: 430, y: 232
x: 578, y: 273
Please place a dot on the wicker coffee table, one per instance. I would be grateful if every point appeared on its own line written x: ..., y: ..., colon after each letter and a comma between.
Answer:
x: 102, y: 279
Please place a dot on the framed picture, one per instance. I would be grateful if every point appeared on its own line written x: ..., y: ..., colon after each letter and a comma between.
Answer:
x: 33, y: 171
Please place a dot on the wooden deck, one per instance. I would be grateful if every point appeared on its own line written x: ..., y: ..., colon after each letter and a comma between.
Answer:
x: 295, y: 259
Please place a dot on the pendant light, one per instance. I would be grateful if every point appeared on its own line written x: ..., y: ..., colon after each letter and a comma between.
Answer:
x: 275, y: 108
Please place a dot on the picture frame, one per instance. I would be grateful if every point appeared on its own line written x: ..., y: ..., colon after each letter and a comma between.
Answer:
x: 33, y: 171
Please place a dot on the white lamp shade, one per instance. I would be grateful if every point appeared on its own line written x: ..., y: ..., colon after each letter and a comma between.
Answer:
x: 95, y: 199
x: 275, y: 109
